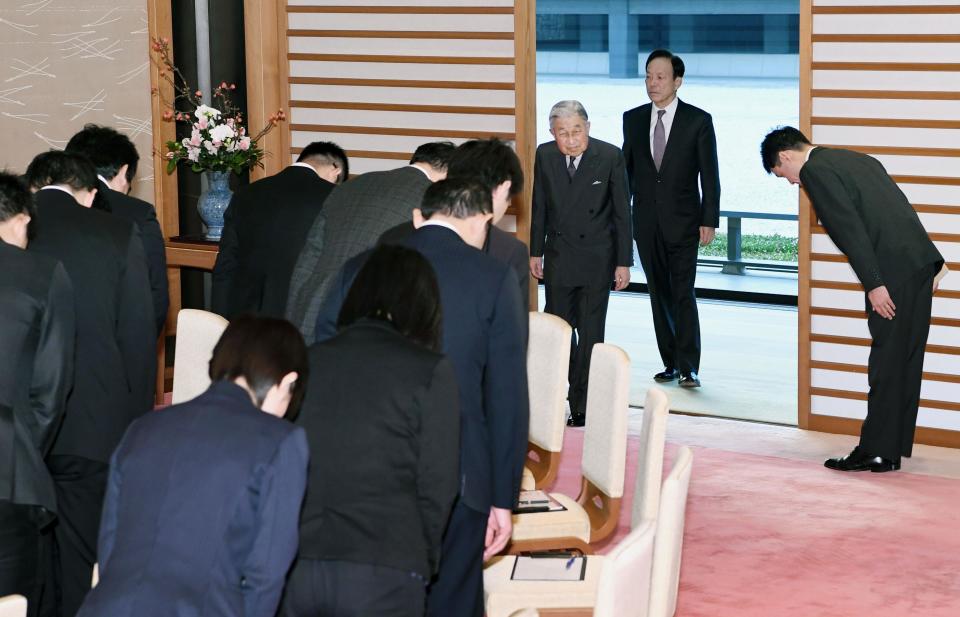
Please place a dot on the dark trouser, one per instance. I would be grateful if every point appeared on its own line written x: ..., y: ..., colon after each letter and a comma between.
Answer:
x: 585, y: 309
x: 671, y: 271
x: 81, y: 484
x: 321, y: 588
x: 896, y: 368
x: 457, y: 590
x: 26, y: 557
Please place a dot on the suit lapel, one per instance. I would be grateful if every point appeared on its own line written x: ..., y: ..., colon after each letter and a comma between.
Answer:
x: 586, y: 173
x: 645, y: 112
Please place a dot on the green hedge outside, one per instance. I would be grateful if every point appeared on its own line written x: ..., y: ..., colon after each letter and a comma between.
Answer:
x: 755, y: 247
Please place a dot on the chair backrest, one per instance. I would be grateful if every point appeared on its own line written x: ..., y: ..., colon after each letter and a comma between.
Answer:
x: 624, y: 586
x: 646, y: 494
x: 95, y: 578
x: 13, y: 606
x: 526, y: 612
x: 197, y: 334
x: 548, y: 362
x: 605, y: 434
x: 668, y: 545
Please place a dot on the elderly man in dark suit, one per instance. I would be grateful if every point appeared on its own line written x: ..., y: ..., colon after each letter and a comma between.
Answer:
x: 265, y: 228
x: 36, y: 371
x: 116, y: 159
x: 668, y: 146
x: 483, y: 338
x: 115, y: 345
x: 354, y: 217
x: 870, y: 220
x: 579, y: 235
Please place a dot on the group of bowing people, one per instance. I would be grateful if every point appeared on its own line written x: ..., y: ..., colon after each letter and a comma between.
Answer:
x: 371, y: 473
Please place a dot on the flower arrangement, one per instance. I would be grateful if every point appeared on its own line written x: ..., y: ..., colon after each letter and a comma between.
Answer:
x: 218, y: 140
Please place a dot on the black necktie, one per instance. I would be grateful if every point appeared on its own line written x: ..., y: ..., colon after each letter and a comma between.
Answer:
x: 572, y: 168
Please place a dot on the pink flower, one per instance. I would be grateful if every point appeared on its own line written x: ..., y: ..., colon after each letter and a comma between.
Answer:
x: 202, y: 123
x: 244, y: 143
x: 193, y: 154
x: 195, y: 139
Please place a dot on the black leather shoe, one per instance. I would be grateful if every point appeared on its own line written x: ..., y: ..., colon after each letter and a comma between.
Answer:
x: 858, y: 460
x: 668, y: 374
x: 577, y: 419
x: 689, y: 380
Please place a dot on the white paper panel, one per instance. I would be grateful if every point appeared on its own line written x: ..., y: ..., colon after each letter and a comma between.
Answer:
x: 362, y: 166
x: 832, y: 271
x: 886, y: 136
x: 940, y: 223
x: 401, y: 119
x: 821, y: 243
x: 493, y: 48
x: 939, y: 418
x: 937, y: 194
x: 356, y: 141
x: 481, y: 3
x: 838, y: 407
x: 935, y: 81
x: 839, y: 380
x: 902, y: 165
x: 400, y: 21
x: 837, y: 298
x: 950, y: 252
x: 839, y: 326
x: 886, y: 52
x: 886, y: 24
x: 402, y: 70
x: 409, y: 96
x: 886, y: 108
x: 845, y: 354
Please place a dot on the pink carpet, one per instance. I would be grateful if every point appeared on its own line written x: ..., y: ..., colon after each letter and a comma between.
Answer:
x: 774, y: 537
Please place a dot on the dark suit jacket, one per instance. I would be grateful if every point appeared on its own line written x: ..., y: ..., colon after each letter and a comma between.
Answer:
x: 483, y: 338
x: 382, y: 420
x: 142, y: 214
x: 671, y: 198
x: 264, y: 229
x: 36, y: 370
x: 501, y: 245
x: 581, y: 227
x: 116, y: 359
x: 867, y: 216
x: 353, y: 218
x: 200, y: 515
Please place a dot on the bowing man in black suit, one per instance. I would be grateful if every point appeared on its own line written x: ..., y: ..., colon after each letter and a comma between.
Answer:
x: 666, y: 153
x: 579, y: 235
x: 115, y: 350
x: 870, y: 220
x: 200, y: 516
x: 36, y: 371
x: 382, y: 419
x: 265, y: 228
x: 483, y: 338
x: 116, y: 158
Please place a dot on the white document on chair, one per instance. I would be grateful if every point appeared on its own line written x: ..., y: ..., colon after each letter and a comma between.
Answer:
x: 559, y: 567
x: 537, y: 501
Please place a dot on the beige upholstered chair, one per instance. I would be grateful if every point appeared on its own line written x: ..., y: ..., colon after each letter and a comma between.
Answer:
x: 13, y: 606
x: 548, y: 362
x: 593, y: 515
x: 197, y: 333
x: 96, y: 576
x: 646, y: 492
x: 639, y: 576
x: 615, y: 585
x: 665, y: 576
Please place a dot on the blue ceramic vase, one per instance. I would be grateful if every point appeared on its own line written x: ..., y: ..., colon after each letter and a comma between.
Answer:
x: 213, y: 202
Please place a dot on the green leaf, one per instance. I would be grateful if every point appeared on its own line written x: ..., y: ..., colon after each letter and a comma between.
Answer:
x: 171, y: 165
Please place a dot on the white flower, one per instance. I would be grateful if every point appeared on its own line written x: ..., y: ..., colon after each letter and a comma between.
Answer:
x: 211, y: 149
x: 204, y: 111
x: 193, y: 154
x: 221, y: 132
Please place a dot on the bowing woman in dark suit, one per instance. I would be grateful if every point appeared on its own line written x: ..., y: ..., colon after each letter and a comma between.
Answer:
x: 200, y: 516
x: 382, y: 420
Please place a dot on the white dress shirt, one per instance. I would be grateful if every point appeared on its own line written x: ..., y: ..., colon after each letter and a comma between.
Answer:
x: 671, y: 110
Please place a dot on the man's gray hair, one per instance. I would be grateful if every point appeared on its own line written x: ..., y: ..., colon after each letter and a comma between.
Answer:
x: 565, y: 109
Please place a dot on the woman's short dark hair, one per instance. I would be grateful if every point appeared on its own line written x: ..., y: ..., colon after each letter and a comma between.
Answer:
x: 398, y: 285
x: 262, y: 350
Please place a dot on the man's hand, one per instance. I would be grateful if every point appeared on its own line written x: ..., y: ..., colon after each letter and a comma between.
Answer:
x: 882, y: 302
x: 621, y: 277
x: 707, y: 234
x: 536, y: 267
x: 499, y: 528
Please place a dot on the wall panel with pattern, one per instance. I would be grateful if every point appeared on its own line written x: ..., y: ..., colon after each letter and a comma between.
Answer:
x: 881, y: 77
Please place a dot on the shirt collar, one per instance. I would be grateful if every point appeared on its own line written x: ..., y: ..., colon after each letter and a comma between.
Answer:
x: 432, y: 223
x: 58, y: 188
x: 671, y: 109
x: 422, y: 170
x: 808, y: 153
x: 308, y: 166
x: 104, y: 180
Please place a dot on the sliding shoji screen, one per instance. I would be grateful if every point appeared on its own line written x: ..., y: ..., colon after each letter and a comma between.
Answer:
x: 881, y: 77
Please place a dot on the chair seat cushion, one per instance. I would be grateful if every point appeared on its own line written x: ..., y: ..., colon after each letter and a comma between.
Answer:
x: 503, y: 596
x: 570, y: 523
